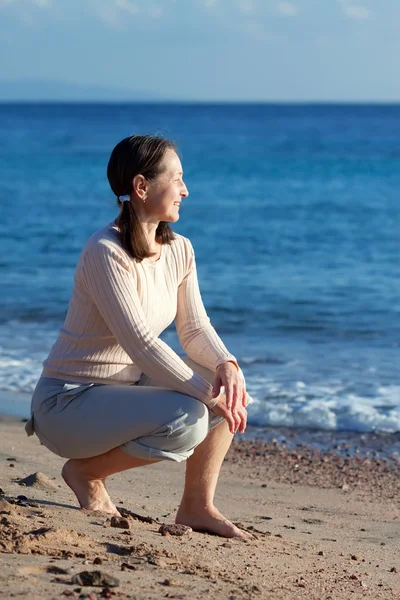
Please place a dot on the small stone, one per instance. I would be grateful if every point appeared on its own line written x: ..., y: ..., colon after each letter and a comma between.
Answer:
x: 98, y: 561
x: 120, y: 522
x: 57, y: 570
x: 345, y: 487
x: 126, y: 566
x: 21, y: 497
x: 263, y: 485
x: 393, y: 570
x: 12, y: 465
x: 354, y: 557
x: 321, y: 553
x: 95, y: 579
x: 12, y: 459
x: 354, y: 577
x: 226, y: 545
x: 174, y: 529
x: 170, y: 582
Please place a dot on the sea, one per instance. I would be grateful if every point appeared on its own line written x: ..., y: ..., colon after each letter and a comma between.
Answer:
x: 294, y: 214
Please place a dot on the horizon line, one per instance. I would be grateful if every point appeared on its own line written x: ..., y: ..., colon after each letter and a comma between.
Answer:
x: 194, y: 101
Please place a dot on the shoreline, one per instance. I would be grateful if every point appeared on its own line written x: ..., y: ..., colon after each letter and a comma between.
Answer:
x: 15, y: 403
x: 385, y: 445
x: 327, y: 527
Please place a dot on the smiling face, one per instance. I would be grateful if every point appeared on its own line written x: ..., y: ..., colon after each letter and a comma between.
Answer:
x: 159, y: 200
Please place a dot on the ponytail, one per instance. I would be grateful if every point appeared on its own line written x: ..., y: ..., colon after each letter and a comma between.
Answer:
x: 132, y: 236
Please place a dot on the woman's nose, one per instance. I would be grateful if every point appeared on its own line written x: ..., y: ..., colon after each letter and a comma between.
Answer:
x: 184, y: 191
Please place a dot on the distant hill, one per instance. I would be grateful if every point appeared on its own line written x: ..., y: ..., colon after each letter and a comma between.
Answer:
x: 39, y: 90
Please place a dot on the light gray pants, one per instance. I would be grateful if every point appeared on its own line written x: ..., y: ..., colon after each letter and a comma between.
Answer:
x: 80, y: 420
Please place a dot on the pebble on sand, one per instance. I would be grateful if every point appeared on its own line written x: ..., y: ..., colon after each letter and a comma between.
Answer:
x: 174, y: 529
x: 95, y: 579
x: 120, y: 522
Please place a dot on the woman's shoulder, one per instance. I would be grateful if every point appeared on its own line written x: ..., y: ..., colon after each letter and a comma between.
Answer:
x: 181, y: 241
x: 106, y: 236
x: 104, y: 243
x: 182, y: 247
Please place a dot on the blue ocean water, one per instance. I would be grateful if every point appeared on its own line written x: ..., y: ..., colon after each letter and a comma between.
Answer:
x: 295, y: 219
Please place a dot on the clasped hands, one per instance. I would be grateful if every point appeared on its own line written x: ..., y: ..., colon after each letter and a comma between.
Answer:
x: 231, y: 404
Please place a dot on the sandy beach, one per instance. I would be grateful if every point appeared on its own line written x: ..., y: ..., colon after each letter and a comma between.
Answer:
x: 327, y: 527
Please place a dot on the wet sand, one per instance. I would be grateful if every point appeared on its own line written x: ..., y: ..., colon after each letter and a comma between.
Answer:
x: 327, y: 526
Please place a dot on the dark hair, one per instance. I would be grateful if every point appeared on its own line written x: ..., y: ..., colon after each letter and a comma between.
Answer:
x: 137, y: 154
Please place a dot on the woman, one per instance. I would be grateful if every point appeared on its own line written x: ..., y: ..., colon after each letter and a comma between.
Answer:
x: 112, y: 395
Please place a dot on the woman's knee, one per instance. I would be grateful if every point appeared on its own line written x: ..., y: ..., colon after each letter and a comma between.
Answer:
x: 194, y: 427
x: 184, y: 433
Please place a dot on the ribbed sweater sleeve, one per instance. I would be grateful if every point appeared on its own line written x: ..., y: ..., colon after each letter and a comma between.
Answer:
x: 111, y: 285
x: 196, y: 334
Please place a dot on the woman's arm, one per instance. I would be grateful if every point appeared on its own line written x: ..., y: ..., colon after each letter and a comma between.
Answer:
x: 196, y: 334
x: 111, y: 285
x: 203, y: 345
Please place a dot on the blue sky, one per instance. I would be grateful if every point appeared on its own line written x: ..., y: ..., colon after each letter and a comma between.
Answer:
x: 250, y: 50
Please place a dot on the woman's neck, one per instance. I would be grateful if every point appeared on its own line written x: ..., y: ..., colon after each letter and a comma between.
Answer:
x: 150, y: 232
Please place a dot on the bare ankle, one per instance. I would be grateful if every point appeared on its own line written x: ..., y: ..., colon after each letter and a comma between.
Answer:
x: 195, y: 505
x: 80, y: 468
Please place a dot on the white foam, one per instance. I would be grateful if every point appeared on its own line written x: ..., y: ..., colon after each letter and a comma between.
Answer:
x: 282, y: 405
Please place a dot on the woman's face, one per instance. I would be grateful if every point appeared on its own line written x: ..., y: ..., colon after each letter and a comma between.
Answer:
x: 164, y: 195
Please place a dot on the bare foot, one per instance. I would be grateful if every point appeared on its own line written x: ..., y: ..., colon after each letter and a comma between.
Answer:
x: 211, y: 521
x: 91, y: 495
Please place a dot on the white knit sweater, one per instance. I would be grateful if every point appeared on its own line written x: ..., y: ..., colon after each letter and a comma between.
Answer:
x: 117, y: 311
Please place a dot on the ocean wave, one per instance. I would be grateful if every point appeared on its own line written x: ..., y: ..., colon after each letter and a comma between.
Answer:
x: 332, y: 408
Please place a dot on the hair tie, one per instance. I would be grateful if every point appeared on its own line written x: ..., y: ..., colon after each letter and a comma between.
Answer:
x: 125, y: 198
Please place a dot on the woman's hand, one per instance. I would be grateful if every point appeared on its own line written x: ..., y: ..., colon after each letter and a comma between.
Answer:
x: 233, y: 401
x: 237, y: 420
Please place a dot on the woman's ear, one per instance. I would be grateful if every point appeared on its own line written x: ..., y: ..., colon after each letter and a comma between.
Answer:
x: 140, y: 186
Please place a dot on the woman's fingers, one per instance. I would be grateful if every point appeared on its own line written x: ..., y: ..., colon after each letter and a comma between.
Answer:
x: 221, y: 410
x: 235, y: 417
x: 244, y: 397
x: 243, y: 423
x: 233, y: 393
x: 230, y: 419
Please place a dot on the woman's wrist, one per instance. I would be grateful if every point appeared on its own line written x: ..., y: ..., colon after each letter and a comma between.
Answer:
x: 234, y: 363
